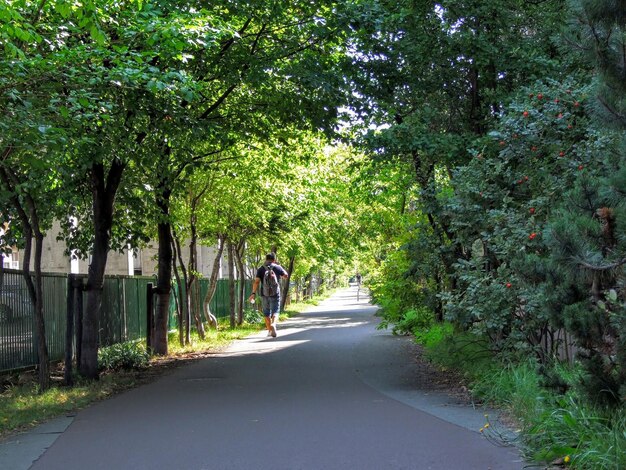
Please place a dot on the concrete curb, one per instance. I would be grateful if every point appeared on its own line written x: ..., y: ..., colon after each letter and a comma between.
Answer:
x: 20, y: 451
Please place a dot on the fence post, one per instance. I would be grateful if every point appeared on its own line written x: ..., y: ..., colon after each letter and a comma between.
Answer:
x: 79, y: 319
x: 69, y: 331
x: 149, y: 316
x: 122, y: 308
x: 124, y: 312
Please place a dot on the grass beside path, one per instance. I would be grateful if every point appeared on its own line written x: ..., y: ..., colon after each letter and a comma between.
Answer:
x: 559, y: 427
x: 22, y: 407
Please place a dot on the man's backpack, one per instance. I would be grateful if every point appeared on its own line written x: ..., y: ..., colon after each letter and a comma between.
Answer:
x: 270, y: 285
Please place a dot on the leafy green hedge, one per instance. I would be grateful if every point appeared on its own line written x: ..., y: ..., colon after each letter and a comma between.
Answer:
x: 129, y: 355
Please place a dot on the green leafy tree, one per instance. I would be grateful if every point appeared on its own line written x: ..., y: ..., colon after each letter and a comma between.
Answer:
x: 32, y: 138
x: 32, y: 214
x: 246, y: 89
x: 434, y: 76
x: 503, y: 202
x: 586, y: 236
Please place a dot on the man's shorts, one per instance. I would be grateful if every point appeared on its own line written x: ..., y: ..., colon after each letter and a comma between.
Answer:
x: 270, y: 305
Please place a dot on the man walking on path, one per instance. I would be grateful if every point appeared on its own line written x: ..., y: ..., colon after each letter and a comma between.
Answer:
x: 268, y: 277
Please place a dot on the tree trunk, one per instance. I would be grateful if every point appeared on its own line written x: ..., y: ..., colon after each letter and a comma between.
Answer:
x: 213, y: 281
x: 164, y: 271
x: 192, y: 276
x: 308, y: 286
x: 475, y: 112
x: 35, y: 293
x: 30, y: 225
x: 42, y: 347
x: 424, y: 175
x: 194, y: 305
x: 196, y: 302
x: 321, y: 285
x: 185, y: 296
x: 283, y: 298
x: 241, y: 291
x: 8, y: 314
x: 103, y: 189
x: 231, y: 283
x: 88, y: 366
x: 179, y: 294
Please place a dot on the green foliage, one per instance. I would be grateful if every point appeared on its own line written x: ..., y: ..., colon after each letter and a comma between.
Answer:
x: 597, y: 28
x: 462, y: 351
x: 400, y: 297
x: 554, y: 424
x: 252, y: 317
x: 414, y: 321
x: 127, y: 356
x: 503, y: 200
x: 490, y: 187
x: 482, y: 199
x: 518, y: 185
x: 592, y: 437
x: 434, y: 335
x: 147, y: 94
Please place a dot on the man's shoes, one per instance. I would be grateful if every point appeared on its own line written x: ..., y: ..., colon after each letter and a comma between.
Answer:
x: 273, y: 330
x: 269, y: 333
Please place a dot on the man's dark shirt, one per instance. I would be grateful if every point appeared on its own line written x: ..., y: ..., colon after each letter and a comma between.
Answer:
x: 278, y: 270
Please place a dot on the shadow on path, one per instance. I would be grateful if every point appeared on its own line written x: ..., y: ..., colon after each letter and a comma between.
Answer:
x: 331, y: 392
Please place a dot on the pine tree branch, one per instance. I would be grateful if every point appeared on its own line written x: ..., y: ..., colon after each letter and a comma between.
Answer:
x: 613, y: 111
x: 602, y: 267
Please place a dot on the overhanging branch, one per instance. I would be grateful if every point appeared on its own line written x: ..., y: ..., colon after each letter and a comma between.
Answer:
x: 601, y: 267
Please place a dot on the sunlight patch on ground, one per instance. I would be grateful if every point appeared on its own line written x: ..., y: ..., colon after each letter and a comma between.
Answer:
x: 259, y: 345
x: 297, y: 325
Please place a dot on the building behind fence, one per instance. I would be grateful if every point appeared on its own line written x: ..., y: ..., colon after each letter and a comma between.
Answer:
x: 123, y: 316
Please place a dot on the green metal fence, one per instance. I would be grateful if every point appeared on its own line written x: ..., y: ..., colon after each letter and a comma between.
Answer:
x: 18, y: 346
x: 220, y: 303
x: 123, y: 316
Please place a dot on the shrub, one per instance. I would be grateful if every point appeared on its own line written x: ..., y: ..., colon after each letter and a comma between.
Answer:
x: 129, y: 355
x: 400, y: 290
x: 434, y: 335
x: 414, y: 321
x: 504, y: 202
x: 252, y: 316
x: 459, y: 350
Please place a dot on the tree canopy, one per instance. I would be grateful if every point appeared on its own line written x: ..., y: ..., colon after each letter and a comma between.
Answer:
x: 466, y: 157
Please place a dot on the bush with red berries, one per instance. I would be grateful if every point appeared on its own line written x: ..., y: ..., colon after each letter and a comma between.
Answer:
x: 502, y: 208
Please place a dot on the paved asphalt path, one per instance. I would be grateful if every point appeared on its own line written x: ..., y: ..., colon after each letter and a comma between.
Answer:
x: 309, y: 399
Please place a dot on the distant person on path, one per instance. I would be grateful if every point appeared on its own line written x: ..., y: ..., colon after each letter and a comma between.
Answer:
x: 358, y: 279
x: 268, y: 280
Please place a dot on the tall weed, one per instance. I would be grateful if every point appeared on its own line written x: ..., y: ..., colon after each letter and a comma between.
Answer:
x: 515, y: 387
x: 590, y: 437
x: 556, y: 427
